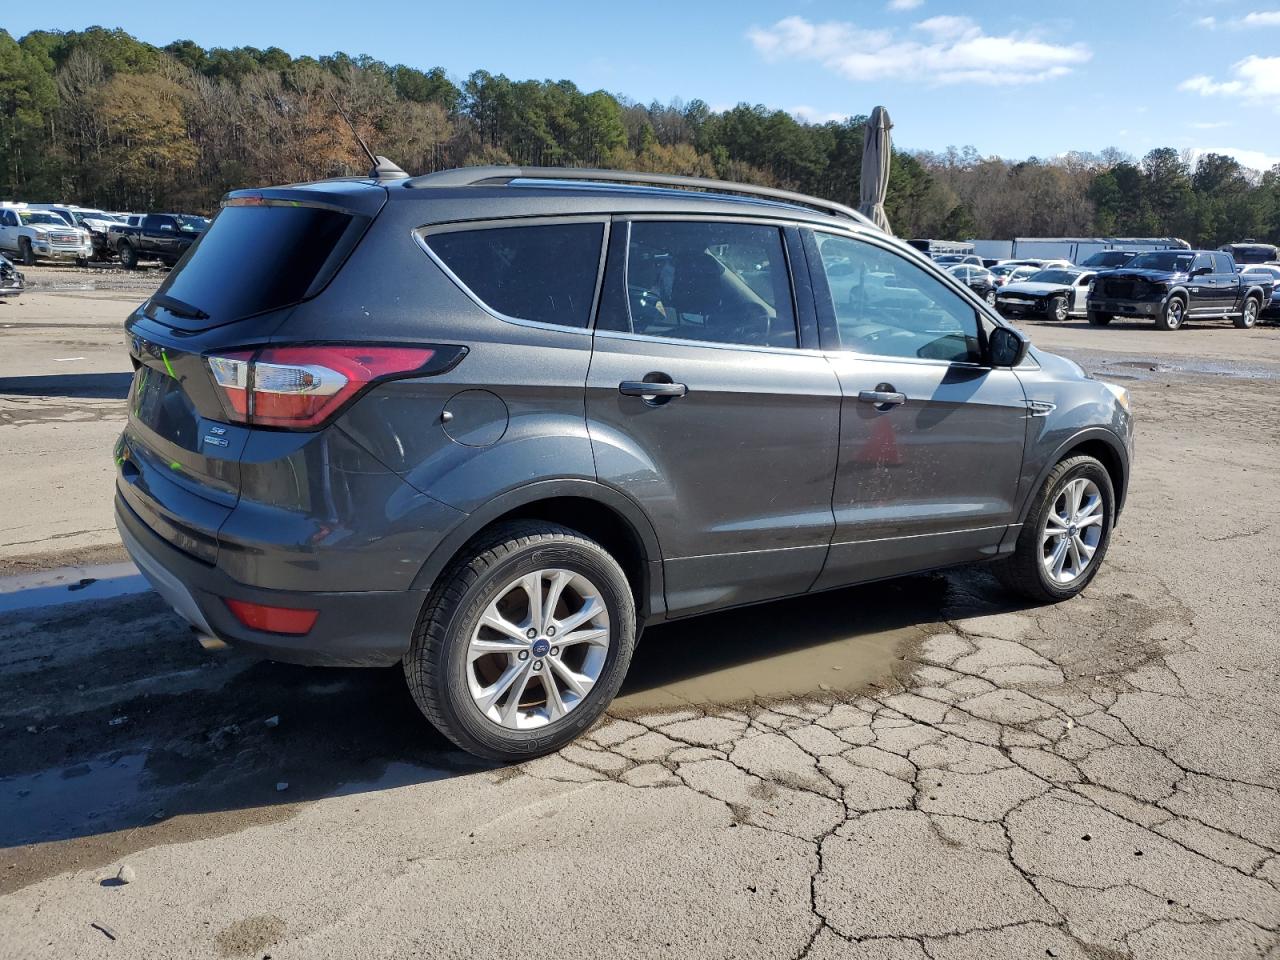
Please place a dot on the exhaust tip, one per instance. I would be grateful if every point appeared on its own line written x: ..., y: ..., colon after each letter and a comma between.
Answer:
x: 210, y: 642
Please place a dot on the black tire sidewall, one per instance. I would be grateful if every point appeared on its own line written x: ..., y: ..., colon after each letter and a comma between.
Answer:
x: 1098, y: 319
x: 1092, y: 470
x: 450, y: 688
x: 1244, y: 323
x: 26, y: 253
x: 1054, y: 308
x: 1165, y: 323
x: 128, y: 258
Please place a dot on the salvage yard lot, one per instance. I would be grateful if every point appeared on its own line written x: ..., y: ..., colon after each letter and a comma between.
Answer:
x: 921, y: 767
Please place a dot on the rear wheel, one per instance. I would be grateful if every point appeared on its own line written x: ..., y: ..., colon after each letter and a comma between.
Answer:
x: 1173, y: 314
x: 524, y: 642
x: 1058, y: 309
x: 1249, y: 316
x: 128, y: 256
x: 25, y: 253
x: 1066, y: 534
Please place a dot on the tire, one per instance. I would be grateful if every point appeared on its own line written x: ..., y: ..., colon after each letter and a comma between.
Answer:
x: 25, y: 253
x: 1027, y: 571
x: 448, y: 684
x: 1174, y: 314
x: 991, y: 297
x: 1249, y: 316
x: 128, y: 256
x: 1098, y: 319
x: 1058, y: 309
x: 82, y: 261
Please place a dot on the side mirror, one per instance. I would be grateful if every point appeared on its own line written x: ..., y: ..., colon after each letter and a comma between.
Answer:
x: 1007, y: 347
x: 1201, y: 271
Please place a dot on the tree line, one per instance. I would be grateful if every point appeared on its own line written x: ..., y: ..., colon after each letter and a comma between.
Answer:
x: 100, y: 118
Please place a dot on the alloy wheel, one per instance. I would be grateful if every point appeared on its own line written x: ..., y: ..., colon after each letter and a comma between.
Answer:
x: 1250, y: 313
x: 1173, y: 314
x: 1072, y: 530
x: 539, y: 648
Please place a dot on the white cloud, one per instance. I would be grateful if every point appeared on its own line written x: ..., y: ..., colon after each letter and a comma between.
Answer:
x: 1254, y: 78
x: 807, y: 114
x: 1261, y: 18
x: 1212, y: 125
x: 953, y: 50
x: 904, y: 4
x: 1207, y: 22
x: 1256, y: 159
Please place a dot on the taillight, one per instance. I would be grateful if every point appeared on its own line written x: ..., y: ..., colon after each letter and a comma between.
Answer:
x: 302, y: 386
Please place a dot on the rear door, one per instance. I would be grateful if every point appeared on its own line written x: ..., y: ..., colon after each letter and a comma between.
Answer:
x: 931, y: 438
x: 709, y: 403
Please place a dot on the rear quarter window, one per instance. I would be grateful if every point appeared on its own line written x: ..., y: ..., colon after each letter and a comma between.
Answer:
x: 541, y: 272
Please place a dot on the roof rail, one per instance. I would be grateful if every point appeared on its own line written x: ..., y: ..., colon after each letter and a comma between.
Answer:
x: 490, y: 175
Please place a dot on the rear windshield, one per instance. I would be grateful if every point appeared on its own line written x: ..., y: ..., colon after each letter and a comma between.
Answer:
x: 258, y: 258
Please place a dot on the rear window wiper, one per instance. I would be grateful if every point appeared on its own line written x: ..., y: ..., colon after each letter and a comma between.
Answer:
x: 179, y: 308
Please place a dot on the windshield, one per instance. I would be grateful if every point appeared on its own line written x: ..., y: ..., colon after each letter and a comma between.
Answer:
x: 1251, y: 253
x: 40, y: 216
x: 950, y: 258
x: 1001, y: 271
x: 1053, y: 276
x: 1168, y: 260
x: 189, y: 223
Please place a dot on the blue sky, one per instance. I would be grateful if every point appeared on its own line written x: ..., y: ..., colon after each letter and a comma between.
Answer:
x: 1135, y: 74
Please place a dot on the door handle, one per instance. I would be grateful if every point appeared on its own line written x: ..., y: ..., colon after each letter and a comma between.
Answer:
x: 883, y: 399
x: 650, y: 389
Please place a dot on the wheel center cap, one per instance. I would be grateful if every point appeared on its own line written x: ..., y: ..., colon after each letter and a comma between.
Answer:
x: 541, y: 647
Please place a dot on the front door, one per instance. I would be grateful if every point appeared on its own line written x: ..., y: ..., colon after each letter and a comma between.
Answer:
x: 931, y: 438
x: 709, y: 403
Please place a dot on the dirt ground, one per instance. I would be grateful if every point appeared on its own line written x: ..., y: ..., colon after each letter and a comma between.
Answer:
x: 912, y: 770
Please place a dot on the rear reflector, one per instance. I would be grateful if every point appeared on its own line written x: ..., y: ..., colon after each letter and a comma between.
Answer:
x: 259, y: 616
x: 303, y: 386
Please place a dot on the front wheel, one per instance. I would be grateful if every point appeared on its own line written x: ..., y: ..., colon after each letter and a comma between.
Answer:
x: 128, y: 256
x: 1097, y: 319
x: 1173, y: 314
x: 25, y: 253
x: 524, y: 642
x: 1066, y: 534
x: 1249, y: 316
x: 991, y: 297
x: 1058, y: 309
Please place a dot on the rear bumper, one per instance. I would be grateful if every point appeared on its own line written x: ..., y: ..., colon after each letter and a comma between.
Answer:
x: 364, y: 628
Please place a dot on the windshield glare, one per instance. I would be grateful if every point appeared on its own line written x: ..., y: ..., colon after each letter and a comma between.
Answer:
x: 1162, y: 260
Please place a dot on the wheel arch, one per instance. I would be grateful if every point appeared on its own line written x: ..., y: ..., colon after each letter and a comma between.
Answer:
x: 600, y: 512
x: 1103, y: 446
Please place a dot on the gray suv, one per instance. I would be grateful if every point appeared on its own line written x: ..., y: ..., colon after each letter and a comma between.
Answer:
x: 491, y: 423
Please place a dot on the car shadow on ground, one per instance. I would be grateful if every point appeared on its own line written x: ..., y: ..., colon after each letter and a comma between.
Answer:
x: 101, y: 386
x: 164, y: 733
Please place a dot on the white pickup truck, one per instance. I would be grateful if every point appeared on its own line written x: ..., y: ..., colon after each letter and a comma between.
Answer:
x: 31, y: 235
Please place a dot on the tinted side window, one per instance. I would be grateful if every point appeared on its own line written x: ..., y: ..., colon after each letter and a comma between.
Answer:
x: 542, y: 272
x: 1202, y: 262
x: 1222, y: 263
x: 888, y: 306
x: 718, y: 282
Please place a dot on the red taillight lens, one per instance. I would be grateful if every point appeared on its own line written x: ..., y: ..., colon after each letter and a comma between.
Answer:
x: 259, y: 616
x: 301, y: 387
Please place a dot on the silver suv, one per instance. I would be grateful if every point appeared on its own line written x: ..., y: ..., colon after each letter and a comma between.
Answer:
x: 491, y: 423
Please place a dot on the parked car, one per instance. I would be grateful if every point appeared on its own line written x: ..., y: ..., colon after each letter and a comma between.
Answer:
x: 1250, y: 251
x: 1006, y: 273
x: 495, y: 443
x: 33, y: 235
x: 1109, y: 259
x: 155, y: 236
x: 1053, y: 294
x: 949, y: 259
x: 1261, y: 273
x: 12, y: 282
x: 1173, y: 286
x: 977, y: 279
x: 96, y: 222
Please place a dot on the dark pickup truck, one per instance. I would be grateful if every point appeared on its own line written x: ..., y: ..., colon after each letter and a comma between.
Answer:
x: 155, y: 236
x: 1170, y: 287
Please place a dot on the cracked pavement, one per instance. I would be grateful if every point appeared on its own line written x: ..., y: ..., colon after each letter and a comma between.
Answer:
x: 1096, y: 779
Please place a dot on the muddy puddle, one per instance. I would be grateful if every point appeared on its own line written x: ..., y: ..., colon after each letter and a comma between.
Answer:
x: 838, y: 642
x: 132, y: 736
